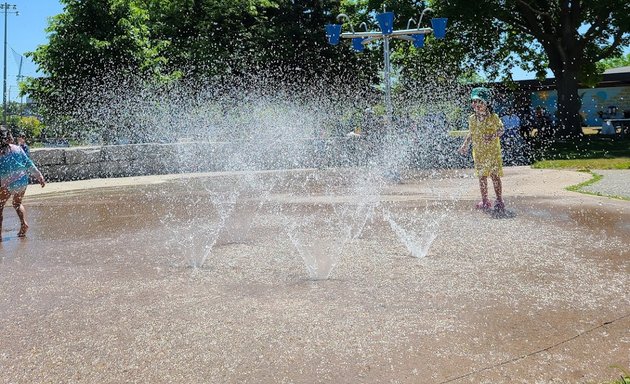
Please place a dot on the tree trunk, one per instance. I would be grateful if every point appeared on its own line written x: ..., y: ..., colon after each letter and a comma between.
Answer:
x: 569, y: 104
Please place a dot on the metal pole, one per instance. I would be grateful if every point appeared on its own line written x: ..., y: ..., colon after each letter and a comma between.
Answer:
x: 388, y: 83
x: 4, y: 76
x: 368, y: 36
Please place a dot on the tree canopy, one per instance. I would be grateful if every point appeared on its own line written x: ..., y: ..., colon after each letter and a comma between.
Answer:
x: 87, y: 42
x: 567, y: 36
x: 96, y: 42
x: 614, y: 62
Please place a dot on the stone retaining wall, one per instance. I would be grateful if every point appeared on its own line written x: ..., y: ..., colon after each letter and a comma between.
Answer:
x: 77, y: 163
x: 64, y: 164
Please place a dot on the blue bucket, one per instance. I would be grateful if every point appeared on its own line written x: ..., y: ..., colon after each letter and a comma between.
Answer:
x: 386, y: 22
x: 357, y: 44
x: 333, y: 32
x: 418, y: 41
x: 439, y: 27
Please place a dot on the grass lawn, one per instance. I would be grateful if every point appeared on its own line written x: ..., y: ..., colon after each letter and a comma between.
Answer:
x: 588, y: 152
x: 624, y: 377
x: 584, y: 164
x: 591, y: 151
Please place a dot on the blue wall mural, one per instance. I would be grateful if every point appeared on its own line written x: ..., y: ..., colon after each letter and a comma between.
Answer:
x: 594, y: 100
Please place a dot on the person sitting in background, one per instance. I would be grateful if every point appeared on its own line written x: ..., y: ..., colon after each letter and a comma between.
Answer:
x: 21, y: 141
x: 607, y: 128
x: 612, y: 111
x: 526, y: 124
x: 542, y: 122
x: 511, y: 123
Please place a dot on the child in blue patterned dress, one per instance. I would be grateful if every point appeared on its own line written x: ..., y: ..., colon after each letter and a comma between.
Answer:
x: 15, y: 169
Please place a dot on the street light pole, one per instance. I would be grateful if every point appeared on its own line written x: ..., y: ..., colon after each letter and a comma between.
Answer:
x: 7, y: 8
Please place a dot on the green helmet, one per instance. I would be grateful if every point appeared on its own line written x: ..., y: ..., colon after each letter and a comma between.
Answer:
x: 480, y: 93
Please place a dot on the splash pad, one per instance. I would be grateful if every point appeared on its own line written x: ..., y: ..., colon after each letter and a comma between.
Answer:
x: 266, y: 273
x: 104, y: 288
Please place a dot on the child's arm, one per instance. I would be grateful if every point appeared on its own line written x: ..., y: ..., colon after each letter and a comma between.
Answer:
x: 499, y: 132
x: 40, y: 178
x: 500, y: 129
x: 32, y: 170
x: 464, y: 148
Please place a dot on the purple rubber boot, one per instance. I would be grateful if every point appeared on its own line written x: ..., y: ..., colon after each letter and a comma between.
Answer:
x: 484, y: 204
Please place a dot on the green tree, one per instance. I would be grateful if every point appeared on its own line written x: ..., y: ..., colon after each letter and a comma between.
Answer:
x: 206, y: 36
x: 614, y: 62
x: 240, y: 39
x: 567, y: 36
x: 92, y: 43
x: 96, y: 43
x: 297, y: 44
x: 31, y: 126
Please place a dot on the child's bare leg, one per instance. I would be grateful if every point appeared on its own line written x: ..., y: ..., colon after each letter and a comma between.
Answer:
x: 498, y: 187
x: 4, y: 197
x: 483, y: 187
x: 21, y: 212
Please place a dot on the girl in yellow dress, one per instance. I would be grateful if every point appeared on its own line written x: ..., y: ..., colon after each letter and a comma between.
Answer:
x: 484, y: 130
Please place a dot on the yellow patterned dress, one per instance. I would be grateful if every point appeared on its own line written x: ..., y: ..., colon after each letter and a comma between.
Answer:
x: 486, y: 153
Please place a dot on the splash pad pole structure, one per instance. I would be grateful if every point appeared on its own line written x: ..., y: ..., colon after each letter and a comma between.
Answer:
x: 386, y: 23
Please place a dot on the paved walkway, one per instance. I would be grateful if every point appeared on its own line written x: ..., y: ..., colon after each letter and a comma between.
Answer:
x: 614, y: 183
x: 104, y: 290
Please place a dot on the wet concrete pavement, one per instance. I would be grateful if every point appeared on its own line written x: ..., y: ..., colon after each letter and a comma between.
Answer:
x: 103, y: 290
x: 613, y: 183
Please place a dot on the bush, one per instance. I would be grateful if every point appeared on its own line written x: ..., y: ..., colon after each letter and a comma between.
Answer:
x: 30, y: 126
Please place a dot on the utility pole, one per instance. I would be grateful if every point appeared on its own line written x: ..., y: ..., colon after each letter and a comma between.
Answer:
x: 7, y: 8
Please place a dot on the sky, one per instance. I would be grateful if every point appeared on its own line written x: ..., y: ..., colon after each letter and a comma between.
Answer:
x: 24, y: 33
